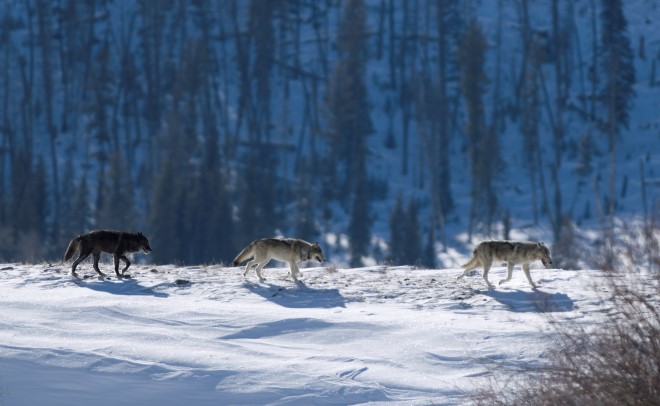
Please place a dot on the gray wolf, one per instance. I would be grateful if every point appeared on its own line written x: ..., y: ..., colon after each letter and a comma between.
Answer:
x: 513, y: 252
x: 290, y: 250
x: 117, y: 243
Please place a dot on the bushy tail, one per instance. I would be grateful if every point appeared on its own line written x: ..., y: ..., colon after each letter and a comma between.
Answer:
x: 473, y: 263
x: 243, y: 255
x: 71, y: 249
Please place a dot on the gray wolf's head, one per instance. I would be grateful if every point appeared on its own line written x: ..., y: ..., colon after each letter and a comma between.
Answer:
x: 143, y: 243
x: 316, y: 253
x: 544, y: 255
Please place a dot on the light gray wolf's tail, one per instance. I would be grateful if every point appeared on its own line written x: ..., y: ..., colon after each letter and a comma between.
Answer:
x: 71, y: 249
x: 245, y: 254
x: 473, y: 263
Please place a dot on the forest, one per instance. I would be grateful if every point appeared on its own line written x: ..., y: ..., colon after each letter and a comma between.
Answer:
x: 207, y: 124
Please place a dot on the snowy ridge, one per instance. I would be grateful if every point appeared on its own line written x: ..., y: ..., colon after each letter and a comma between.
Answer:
x: 208, y: 335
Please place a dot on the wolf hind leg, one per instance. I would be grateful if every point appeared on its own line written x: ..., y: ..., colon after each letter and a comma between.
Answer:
x: 486, y: 269
x: 509, y: 272
x: 467, y: 270
x: 257, y: 270
x: 248, y: 266
x: 78, y: 260
x: 474, y: 262
x: 126, y: 261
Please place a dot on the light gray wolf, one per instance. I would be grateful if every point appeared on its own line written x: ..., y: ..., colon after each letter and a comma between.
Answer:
x: 117, y: 243
x: 513, y: 252
x: 290, y: 250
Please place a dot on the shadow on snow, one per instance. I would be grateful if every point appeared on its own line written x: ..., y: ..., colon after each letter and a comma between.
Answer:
x: 298, y: 296
x: 128, y: 287
x: 532, y: 301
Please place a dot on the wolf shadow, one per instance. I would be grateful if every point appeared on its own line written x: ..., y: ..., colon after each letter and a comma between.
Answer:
x: 299, y: 296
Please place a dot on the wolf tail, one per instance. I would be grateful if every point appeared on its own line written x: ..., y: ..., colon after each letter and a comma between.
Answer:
x: 473, y: 263
x: 71, y: 249
x: 243, y: 255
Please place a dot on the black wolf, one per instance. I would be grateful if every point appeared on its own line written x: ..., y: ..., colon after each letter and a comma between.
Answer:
x: 117, y: 243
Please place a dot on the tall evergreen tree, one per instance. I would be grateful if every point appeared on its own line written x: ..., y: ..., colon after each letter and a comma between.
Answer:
x: 617, y: 93
x: 166, y: 218
x: 209, y: 224
x: 168, y: 197
x: 346, y: 101
x: 256, y: 208
x: 305, y: 214
x: 428, y: 255
x: 29, y: 207
x: 80, y: 213
x: 405, y: 236
x: 116, y: 202
x: 350, y: 124
x: 397, y: 224
x: 481, y: 140
x: 359, y: 232
x: 413, y: 244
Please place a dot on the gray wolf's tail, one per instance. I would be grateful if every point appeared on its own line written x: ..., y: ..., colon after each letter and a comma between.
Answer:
x: 243, y: 255
x: 71, y: 249
x: 473, y: 263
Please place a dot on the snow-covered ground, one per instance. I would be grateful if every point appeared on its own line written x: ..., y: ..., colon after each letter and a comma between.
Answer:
x: 206, y: 335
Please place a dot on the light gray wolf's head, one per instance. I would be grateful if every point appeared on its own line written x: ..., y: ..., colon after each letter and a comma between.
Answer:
x: 544, y: 255
x: 143, y: 243
x: 316, y: 253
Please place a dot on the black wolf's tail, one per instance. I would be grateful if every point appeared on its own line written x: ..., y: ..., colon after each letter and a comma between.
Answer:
x: 71, y: 249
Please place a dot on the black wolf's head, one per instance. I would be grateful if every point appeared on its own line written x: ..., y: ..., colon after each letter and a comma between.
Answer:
x: 316, y: 253
x: 143, y: 243
x: 544, y: 255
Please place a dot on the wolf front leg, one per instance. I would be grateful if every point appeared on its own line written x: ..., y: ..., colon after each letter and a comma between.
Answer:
x: 117, y: 257
x: 525, y: 268
x: 294, y: 270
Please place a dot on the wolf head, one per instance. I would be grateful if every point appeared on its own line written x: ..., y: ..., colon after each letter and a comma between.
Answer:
x: 143, y: 243
x: 544, y: 255
x: 316, y: 253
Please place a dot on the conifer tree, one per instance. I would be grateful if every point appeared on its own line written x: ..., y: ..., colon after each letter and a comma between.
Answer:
x: 428, y: 255
x: 397, y: 232
x: 347, y: 104
x: 360, y: 223
x: 166, y: 220
x: 617, y: 93
x: 350, y: 124
x: 413, y: 245
x: 481, y: 139
x: 116, y: 203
